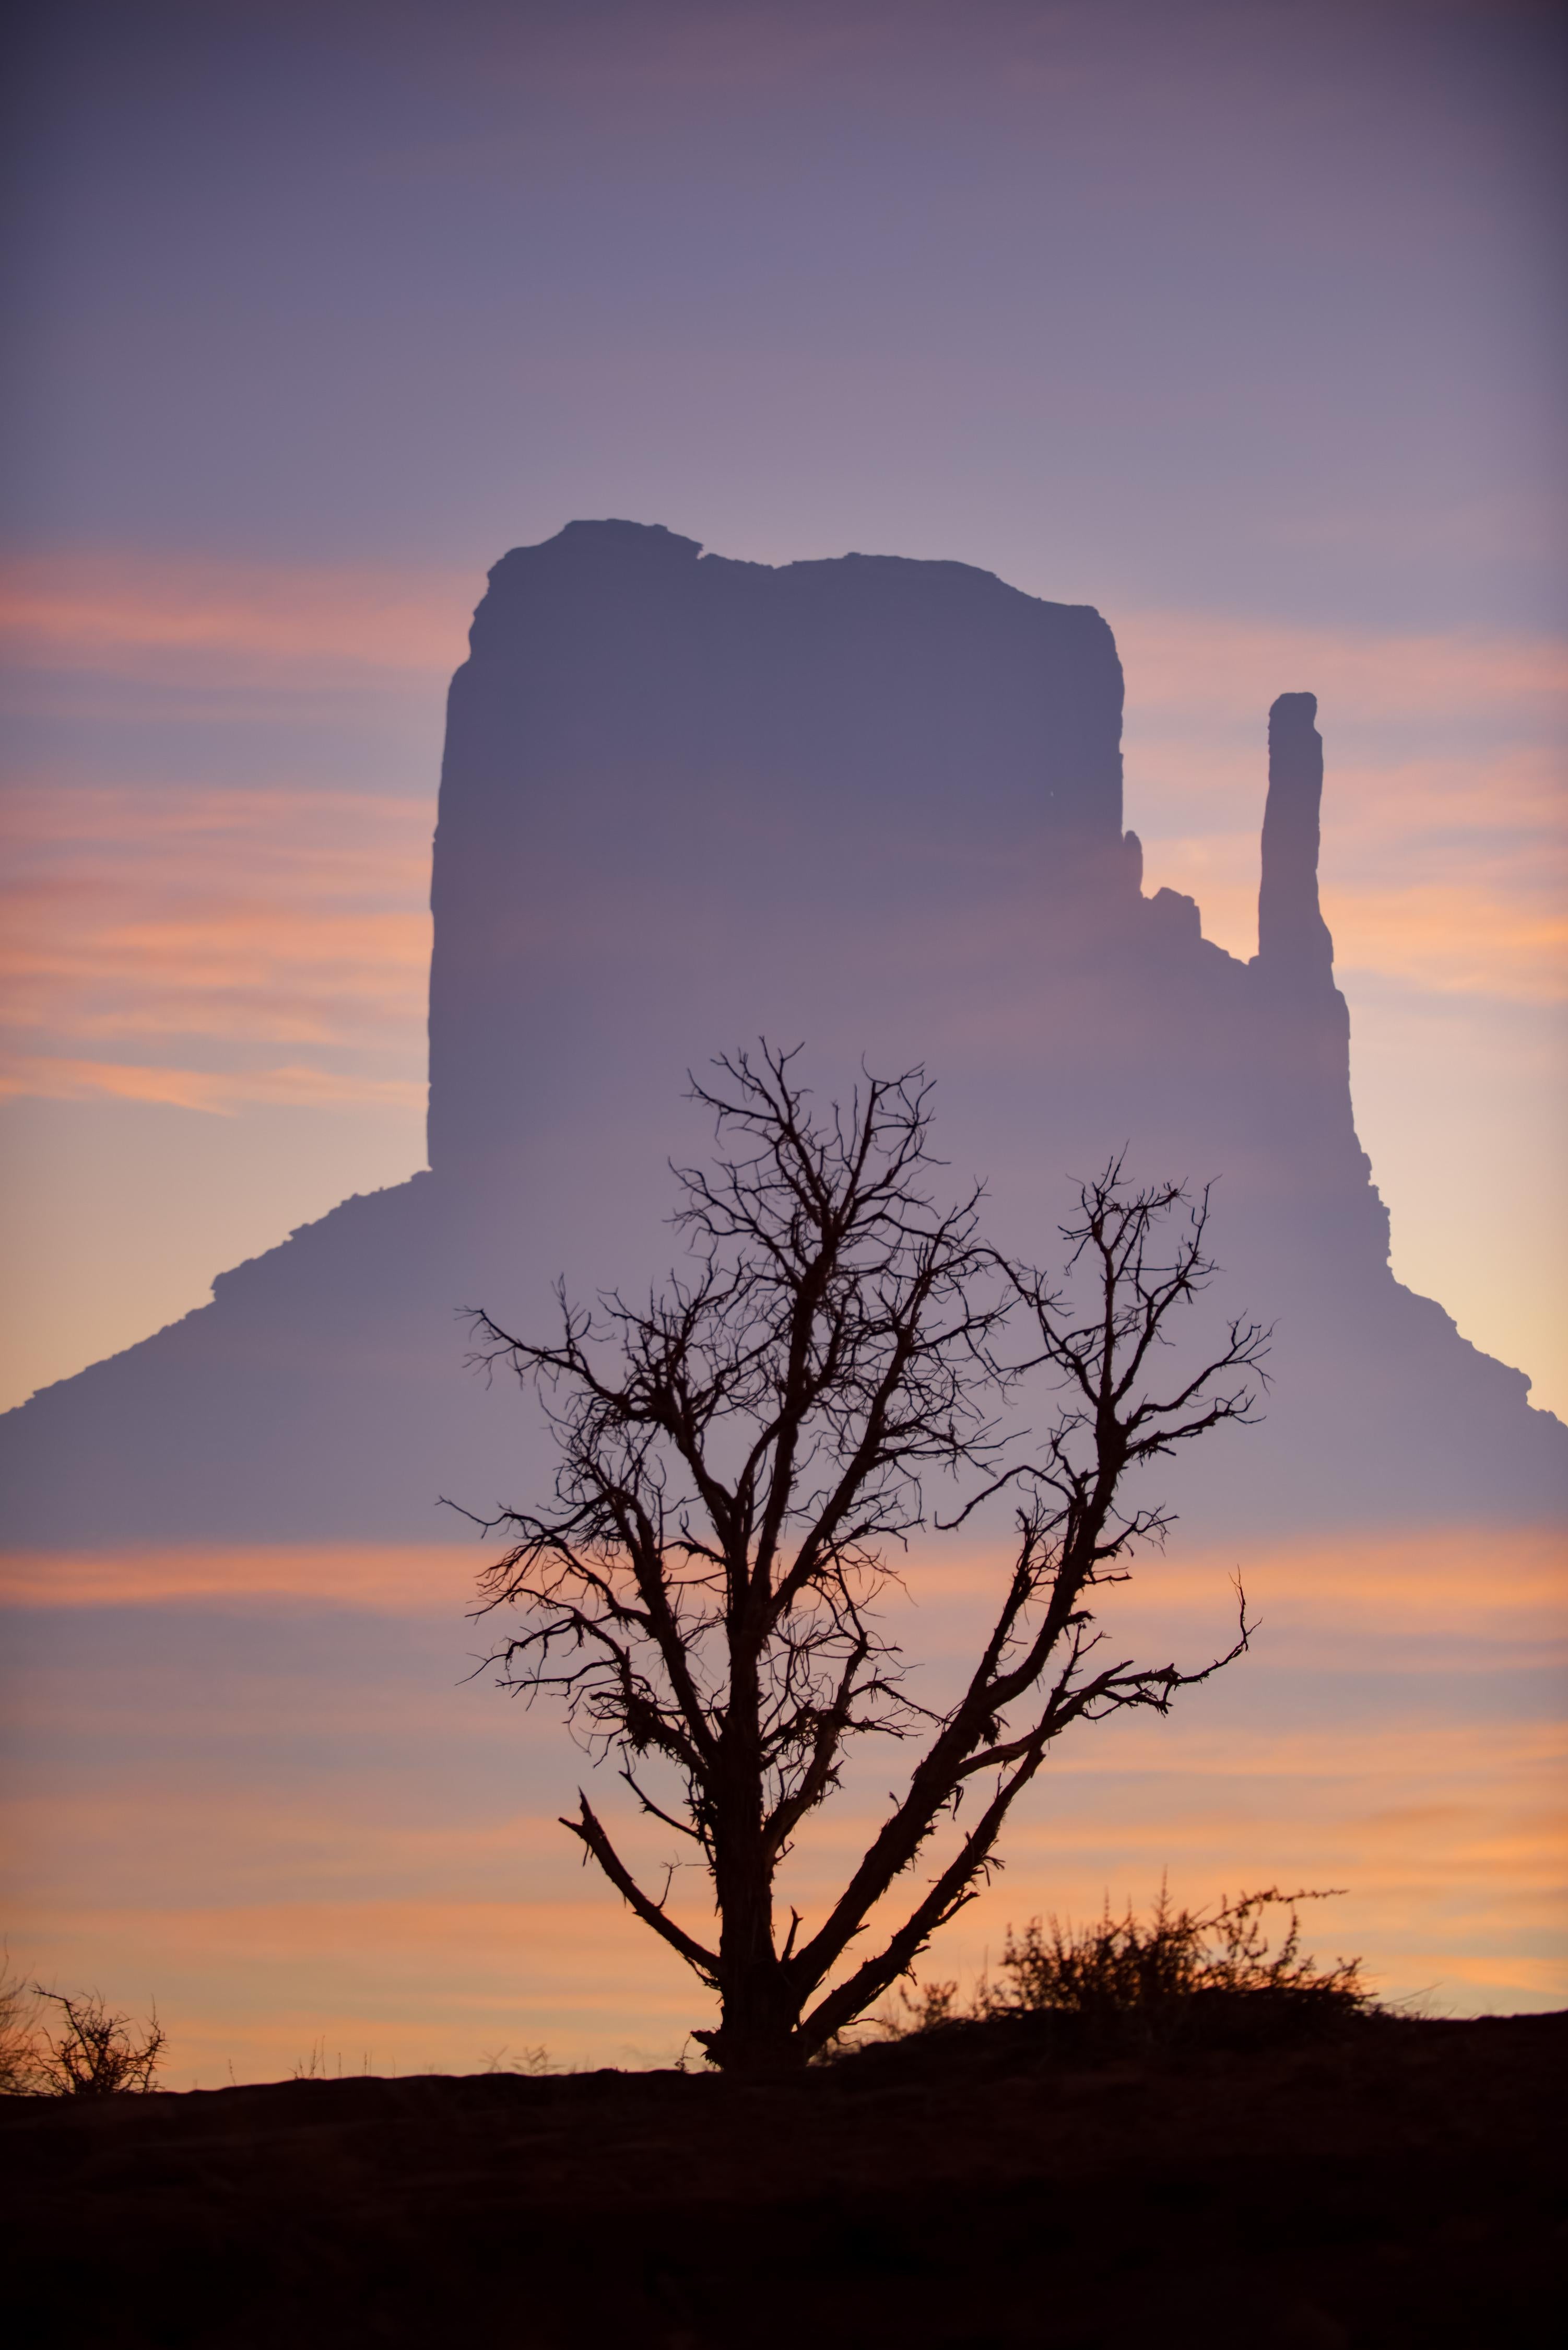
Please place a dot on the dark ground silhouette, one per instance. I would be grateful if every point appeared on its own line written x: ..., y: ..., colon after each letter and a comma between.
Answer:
x: 1393, y: 2186
x: 868, y: 803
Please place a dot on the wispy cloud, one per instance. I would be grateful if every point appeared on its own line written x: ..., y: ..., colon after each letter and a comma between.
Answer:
x: 1445, y: 813
x: 221, y: 1094
x: 228, y: 949
x: 111, y: 611
x: 1207, y: 663
x: 341, y: 1820
x: 108, y: 611
x: 1455, y: 1577
x: 389, y: 1578
x: 267, y: 1921
x: 244, y: 923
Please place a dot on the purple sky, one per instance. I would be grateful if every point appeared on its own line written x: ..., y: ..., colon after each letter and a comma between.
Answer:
x: 1238, y: 321
x: 1238, y: 305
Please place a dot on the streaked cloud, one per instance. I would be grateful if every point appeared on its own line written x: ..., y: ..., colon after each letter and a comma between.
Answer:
x: 1203, y: 663
x: 119, y: 613
x: 220, y: 1094
x: 385, y: 1578
x: 295, y: 917
x: 263, y: 1917
x: 133, y: 616
x: 244, y: 922
x: 389, y: 1985
x: 1459, y: 1577
x: 352, y: 1840
x: 228, y: 950
x: 1445, y: 868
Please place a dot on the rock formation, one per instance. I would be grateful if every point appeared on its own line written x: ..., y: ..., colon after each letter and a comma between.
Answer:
x: 871, y: 804
x: 1294, y: 943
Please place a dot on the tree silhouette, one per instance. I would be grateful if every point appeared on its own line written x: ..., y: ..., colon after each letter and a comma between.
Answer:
x: 736, y: 1456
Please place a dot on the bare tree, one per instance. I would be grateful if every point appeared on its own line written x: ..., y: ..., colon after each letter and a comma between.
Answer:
x: 735, y: 1458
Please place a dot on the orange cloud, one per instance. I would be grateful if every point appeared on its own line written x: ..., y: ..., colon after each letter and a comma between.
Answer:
x: 131, y: 616
x: 1447, y: 873
x: 220, y: 1094
x: 275, y: 1894
x: 108, y: 610
x: 410, y: 1947
x: 1446, y: 919
x: 222, y: 951
x: 390, y: 1577
x: 284, y: 919
x: 1211, y: 663
x: 1455, y: 940
x: 1450, y: 1571
x: 248, y: 1990
x: 1453, y: 1574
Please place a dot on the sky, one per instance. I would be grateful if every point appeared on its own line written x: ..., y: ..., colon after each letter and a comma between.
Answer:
x: 1236, y: 321
x: 263, y: 1790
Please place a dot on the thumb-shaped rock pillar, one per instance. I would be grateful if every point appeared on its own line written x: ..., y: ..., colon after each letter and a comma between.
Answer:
x: 1294, y: 941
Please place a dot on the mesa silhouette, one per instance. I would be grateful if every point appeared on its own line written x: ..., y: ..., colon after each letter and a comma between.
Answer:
x: 868, y: 803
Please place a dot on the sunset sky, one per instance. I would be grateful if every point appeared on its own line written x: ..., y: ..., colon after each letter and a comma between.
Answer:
x: 1237, y: 321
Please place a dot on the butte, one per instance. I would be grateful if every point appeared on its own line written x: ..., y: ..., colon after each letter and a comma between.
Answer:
x: 874, y: 805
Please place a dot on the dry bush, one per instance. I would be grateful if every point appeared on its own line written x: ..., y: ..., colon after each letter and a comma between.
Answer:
x: 1155, y: 1971
x: 95, y: 2055
x: 1215, y: 1976
x: 18, y: 2035
x: 926, y: 2008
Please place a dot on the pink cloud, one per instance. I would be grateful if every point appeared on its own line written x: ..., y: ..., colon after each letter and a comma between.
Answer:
x: 1446, y: 873
x: 1452, y: 1885
x: 1213, y: 663
x: 136, y: 616
x: 1450, y: 1579
x: 389, y: 1577
x: 284, y: 919
x: 107, y: 609
x: 221, y: 1094
x: 285, y: 1899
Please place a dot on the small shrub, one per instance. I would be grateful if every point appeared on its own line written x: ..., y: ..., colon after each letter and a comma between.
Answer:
x: 1215, y: 1978
x: 932, y: 2005
x: 18, y: 2035
x: 1208, y: 1973
x: 95, y: 2055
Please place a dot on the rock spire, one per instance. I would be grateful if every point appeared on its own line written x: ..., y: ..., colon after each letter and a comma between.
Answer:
x: 1294, y: 941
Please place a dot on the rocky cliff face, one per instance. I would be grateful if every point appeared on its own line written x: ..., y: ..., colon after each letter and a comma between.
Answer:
x: 684, y: 798
x: 870, y: 804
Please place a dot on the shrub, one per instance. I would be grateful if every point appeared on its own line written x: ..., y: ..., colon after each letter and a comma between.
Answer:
x: 18, y: 2035
x: 1184, y: 1972
x: 95, y: 2055
x: 1207, y: 1977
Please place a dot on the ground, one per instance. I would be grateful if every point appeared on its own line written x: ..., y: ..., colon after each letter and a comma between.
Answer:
x: 1394, y: 2184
